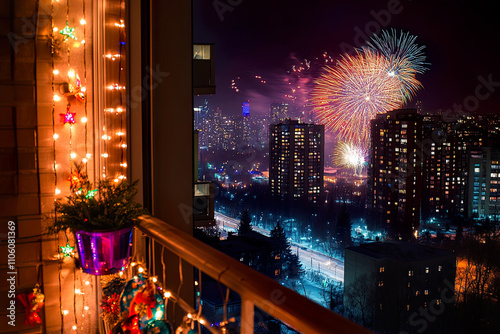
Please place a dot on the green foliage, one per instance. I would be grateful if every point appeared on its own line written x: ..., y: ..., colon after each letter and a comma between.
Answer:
x: 245, y: 222
x: 111, y: 208
x: 291, y: 266
x: 114, y: 285
x: 278, y: 233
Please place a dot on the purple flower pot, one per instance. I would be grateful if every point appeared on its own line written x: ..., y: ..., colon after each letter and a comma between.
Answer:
x: 106, y: 252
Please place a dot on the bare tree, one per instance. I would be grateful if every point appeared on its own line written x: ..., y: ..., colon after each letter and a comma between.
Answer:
x: 359, y: 301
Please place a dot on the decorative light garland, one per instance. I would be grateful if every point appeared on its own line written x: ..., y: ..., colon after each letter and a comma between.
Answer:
x: 69, y: 100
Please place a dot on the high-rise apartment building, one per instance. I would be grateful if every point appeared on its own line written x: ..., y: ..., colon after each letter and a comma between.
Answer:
x: 296, y: 160
x: 445, y: 154
x: 395, y: 172
x: 484, y: 183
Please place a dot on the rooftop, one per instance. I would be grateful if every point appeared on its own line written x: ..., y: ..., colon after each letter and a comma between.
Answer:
x: 401, y: 251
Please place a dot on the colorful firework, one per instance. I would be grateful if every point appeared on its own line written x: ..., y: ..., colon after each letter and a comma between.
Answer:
x: 349, y: 156
x: 348, y: 95
x: 405, y: 57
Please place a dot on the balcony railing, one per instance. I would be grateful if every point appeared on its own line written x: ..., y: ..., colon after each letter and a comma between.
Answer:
x: 255, y: 289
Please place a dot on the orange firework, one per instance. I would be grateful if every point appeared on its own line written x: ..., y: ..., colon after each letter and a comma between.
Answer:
x: 348, y: 95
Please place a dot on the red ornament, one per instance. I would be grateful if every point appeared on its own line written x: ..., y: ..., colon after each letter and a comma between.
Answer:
x: 33, y: 303
x: 68, y: 117
x: 144, y: 301
x: 131, y: 325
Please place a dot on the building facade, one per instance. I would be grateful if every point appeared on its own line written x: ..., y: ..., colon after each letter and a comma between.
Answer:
x: 296, y: 166
x: 393, y: 286
x: 395, y: 172
x: 483, y: 189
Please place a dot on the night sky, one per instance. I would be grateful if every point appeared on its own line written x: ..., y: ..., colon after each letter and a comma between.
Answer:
x: 261, y: 37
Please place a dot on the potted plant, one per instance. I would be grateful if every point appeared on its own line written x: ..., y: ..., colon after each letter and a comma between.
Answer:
x: 102, y: 220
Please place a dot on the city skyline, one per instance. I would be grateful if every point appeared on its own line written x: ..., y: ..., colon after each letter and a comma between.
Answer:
x: 458, y: 47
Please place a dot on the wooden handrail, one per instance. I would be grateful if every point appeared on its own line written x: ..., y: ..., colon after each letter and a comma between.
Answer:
x: 253, y: 287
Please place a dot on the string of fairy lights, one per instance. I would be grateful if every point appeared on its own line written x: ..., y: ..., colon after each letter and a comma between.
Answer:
x: 114, y: 116
x: 75, y: 122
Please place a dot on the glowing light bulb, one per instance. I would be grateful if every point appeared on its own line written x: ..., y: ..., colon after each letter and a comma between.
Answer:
x: 189, y: 315
x: 57, y: 97
x: 120, y: 133
x: 83, y: 89
x: 201, y: 321
x: 57, y: 191
x: 78, y: 291
x: 84, y: 119
x: 83, y: 41
x: 167, y: 294
x: 74, y: 328
x: 133, y: 264
x: 82, y: 21
x: 86, y: 308
x: 123, y: 145
x: 87, y: 282
x: 120, y: 273
x: 88, y: 155
x: 55, y: 29
x: 72, y: 155
x: 71, y: 73
x: 65, y: 312
x: 104, y: 155
x: 104, y: 137
x: 154, y: 279
x: 56, y: 72
x: 124, y: 165
x: 55, y: 136
x: 116, y: 180
x: 140, y: 270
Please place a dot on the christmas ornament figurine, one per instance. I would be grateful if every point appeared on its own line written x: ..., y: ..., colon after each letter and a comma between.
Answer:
x: 131, y: 325
x: 68, y: 117
x: 67, y: 250
x: 68, y: 32
x: 141, y: 297
x: 144, y: 301
x: 32, y: 303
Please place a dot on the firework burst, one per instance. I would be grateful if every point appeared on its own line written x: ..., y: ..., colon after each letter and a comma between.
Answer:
x: 405, y: 57
x: 349, y: 156
x: 348, y: 95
